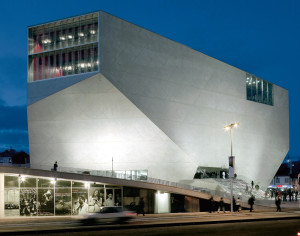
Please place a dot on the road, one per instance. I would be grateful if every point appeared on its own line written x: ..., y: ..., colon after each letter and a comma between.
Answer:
x: 272, y: 228
x: 257, y: 223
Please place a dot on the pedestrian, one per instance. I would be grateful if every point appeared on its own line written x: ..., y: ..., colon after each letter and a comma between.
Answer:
x: 277, y: 203
x: 210, y: 204
x: 238, y: 204
x: 251, y: 202
x: 246, y: 190
x: 221, y: 205
x: 252, y: 184
x: 55, y: 166
x: 141, y: 206
x: 233, y: 203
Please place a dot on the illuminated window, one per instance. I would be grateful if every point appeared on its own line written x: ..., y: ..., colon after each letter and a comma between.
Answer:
x: 259, y: 90
x: 62, y: 48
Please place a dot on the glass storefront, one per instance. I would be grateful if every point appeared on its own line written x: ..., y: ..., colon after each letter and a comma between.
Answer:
x: 62, y: 48
x: 38, y: 196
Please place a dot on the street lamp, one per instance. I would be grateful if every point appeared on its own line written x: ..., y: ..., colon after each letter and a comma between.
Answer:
x: 230, y: 127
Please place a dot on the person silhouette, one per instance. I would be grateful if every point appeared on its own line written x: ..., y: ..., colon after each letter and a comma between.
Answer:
x: 55, y: 166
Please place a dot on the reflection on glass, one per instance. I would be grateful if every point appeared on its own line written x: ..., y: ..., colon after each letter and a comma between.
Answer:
x: 28, y: 196
x: 79, y: 201
x: 109, y: 201
x: 63, y: 48
x: 63, y: 201
x: 11, y: 181
x: 259, y: 90
x: 96, y: 199
x: 28, y: 202
x: 64, y: 62
x: 46, y: 202
x: 65, y: 33
x: 118, y: 197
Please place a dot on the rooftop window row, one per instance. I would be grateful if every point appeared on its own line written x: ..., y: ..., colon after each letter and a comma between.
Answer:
x: 63, y: 34
x: 259, y: 90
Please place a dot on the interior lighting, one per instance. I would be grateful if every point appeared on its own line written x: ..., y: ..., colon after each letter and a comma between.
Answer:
x: 45, y: 41
x: 82, y: 65
x: 69, y: 67
x: 70, y: 36
x: 81, y: 34
x: 89, y: 64
x: 52, y: 181
x: 22, y: 178
x: 92, y: 31
x: 62, y: 38
x: 87, y: 185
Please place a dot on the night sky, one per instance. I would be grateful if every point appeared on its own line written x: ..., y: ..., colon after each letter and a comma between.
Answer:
x: 261, y: 37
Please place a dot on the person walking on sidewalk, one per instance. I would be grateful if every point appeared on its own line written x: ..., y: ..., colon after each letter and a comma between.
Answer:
x: 55, y: 166
x: 221, y: 205
x: 251, y: 202
x: 210, y: 204
x: 141, y: 206
x: 234, y: 203
x: 277, y: 203
x: 238, y: 204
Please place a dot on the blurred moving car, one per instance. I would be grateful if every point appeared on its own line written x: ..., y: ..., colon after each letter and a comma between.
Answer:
x: 108, y: 215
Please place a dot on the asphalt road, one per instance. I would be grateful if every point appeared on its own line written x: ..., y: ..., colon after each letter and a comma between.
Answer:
x: 245, y: 223
x: 272, y: 228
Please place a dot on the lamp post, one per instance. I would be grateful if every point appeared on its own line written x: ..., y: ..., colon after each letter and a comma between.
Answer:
x: 230, y: 127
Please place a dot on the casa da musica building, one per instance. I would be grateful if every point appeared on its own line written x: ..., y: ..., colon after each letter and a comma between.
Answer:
x: 112, y: 99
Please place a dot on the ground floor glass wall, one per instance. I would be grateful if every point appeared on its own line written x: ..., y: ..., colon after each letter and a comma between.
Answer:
x: 38, y: 196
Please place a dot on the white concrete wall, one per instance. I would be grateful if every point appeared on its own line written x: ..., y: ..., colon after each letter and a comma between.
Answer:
x: 159, y: 106
x: 191, y: 97
x: 88, y: 123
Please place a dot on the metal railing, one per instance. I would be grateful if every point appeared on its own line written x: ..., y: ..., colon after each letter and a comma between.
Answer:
x: 113, y: 174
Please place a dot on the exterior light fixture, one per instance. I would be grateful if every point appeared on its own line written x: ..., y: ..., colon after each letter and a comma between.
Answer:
x: 53, y: 181
x: 87, y: 185
x: 231, y: 159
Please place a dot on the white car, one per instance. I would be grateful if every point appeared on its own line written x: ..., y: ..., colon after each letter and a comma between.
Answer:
x: 108, y: 215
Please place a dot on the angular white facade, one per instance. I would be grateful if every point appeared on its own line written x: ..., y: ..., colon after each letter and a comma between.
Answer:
x: 155, y: 105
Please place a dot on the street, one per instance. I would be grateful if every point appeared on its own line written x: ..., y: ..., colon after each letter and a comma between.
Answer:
x: 245, y: 223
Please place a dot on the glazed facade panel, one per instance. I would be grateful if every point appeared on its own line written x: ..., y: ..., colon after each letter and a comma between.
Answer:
x: 62, y: 48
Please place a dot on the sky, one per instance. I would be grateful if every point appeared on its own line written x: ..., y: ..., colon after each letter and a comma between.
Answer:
x: 261, y: 37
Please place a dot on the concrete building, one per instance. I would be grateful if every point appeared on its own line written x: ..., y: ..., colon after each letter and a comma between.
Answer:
x: 105, y: 94
x: 128, y: 114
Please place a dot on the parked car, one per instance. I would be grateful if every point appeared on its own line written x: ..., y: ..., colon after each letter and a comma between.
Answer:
x: 108, y: 215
